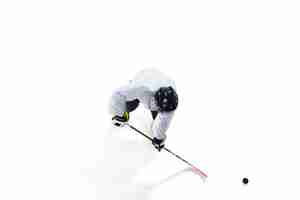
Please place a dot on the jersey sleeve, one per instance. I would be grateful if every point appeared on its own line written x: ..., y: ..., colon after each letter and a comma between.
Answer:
x: 120, y: 96
x: 161, y: 124
x: 117, y: 103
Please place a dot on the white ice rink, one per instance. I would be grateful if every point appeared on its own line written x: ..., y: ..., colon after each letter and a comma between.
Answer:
x: 236, y: 66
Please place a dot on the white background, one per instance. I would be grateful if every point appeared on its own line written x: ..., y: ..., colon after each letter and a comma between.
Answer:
x: 236, y: 66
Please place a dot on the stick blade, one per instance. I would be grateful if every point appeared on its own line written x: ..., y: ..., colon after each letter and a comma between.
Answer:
x: 199, y: 172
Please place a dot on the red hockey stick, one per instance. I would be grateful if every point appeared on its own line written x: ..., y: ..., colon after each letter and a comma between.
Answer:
x: 194, y: 169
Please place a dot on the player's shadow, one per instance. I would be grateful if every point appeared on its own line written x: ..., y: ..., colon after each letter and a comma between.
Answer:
x: 169, y: 178
x: 125, y: 153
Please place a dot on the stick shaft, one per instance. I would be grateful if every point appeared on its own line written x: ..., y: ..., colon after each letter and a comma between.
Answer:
x: 185, y: 161
x: 140, y: 132
x: 166, y: 149
x: 177, y: 156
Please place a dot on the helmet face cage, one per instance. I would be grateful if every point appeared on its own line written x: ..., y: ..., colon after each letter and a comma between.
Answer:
x: 166, y: 99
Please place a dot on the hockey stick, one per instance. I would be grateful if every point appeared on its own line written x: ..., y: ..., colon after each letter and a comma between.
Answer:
x: 194, y: 169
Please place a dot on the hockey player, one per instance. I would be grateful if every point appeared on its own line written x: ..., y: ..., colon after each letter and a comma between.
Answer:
x: 156, y: 92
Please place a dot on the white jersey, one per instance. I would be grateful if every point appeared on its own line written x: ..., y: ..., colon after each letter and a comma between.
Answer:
x: 143, y: 87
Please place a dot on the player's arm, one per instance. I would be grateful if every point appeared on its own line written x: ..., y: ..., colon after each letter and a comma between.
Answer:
x: 159, y: 128
x: 123, y: 101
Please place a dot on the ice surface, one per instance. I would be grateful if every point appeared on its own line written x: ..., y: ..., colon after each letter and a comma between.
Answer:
x: 125, y: 153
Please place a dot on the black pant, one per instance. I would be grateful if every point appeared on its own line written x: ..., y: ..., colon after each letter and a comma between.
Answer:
x: 132, y: 105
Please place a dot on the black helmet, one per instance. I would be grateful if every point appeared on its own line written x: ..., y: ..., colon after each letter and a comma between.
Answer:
x: 166, y: 99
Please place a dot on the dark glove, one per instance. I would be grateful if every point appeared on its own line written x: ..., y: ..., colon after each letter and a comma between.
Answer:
x: 158, y: 143
x: 120, y: 121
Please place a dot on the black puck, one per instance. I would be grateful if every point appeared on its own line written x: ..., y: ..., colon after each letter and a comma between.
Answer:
x: 245, y: 181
